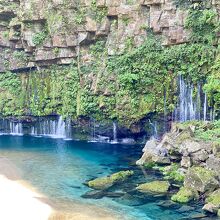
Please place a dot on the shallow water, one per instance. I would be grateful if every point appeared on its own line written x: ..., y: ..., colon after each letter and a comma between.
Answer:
x: 59, y: 169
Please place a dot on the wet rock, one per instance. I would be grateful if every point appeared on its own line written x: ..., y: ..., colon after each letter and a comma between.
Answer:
x: 154, y: 187
x: 185, y: 195
x: 108, y: 181
x: 201, y: 179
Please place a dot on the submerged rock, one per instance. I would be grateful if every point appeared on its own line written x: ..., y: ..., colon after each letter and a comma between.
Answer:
x: 185, y: 208
x: 154, y: 187
x: 167, y: 204
x: 201, y: 179
x: 94, y: 194
x: 185, y: 195
x: 108, y: 181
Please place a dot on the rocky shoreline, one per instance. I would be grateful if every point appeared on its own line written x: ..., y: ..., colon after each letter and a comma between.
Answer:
x: 190, y: 155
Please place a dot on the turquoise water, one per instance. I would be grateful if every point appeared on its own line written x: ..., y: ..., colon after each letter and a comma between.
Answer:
x: 59, y: 169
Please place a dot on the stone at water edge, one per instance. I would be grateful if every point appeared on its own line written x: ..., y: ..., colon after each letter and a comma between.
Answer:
x: 151, y: 144
x: 201, y: 179
x: 108, y: 181
x: 213, y: 202
x: 154, y: 187
x: 185, y: 195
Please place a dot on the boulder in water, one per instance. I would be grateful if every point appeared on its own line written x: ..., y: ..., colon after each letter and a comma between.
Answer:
x: 160, y: 187
x: 108, y: 181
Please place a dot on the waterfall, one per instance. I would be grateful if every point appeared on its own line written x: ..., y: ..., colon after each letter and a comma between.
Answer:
x: 188, y: 107
x: 93, y: 130
x: 154, y: 129
x: 115, y: 135
x: 52, y: 128
x: 60, y: 130
x: 16, y: 128
x: 205, y: 108
x: 68, y: 129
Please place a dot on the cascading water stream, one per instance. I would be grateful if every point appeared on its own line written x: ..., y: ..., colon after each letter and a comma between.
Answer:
x: 115, y: 133
x: 52, y: 128
x: 16, y: 128
x: 60, y: 130
x: 189, y: 107
x: 154, y: 129
x: 205, y: 108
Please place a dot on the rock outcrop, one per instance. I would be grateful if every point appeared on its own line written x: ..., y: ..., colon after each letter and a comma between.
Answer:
x: 157, y: 187
x: 41, y: 33
x: 108, y: 181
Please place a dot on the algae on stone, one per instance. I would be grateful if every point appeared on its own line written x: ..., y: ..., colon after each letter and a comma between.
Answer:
x: 213, y: 202
x: 184, y: 195
x: 214, y: 198
x: 108, y: 181
x: 154, y: 187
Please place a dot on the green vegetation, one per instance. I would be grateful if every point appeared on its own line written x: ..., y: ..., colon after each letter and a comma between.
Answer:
x: 98, y: 12
x: 214, y: 198
x: 172, y: 172
x: 39, y: 38
x: 125, y: 87
x: 208, y: 131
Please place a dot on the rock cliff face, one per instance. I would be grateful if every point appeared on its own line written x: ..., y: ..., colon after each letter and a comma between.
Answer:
x: 40, y: 33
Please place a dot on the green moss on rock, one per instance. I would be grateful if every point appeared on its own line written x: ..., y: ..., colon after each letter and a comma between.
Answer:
x: 201, y: 179
x: 214, y: 198
x: 184, y: 195
x: 154, y: 187
x: 172, y: 172
x: 108, y: 181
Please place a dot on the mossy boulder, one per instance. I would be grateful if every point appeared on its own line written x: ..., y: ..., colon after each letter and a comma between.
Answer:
x: 201, y: 179
x: 213, y: 202
x: 185, y: 195
x: 108, y: 181
x: 216, y: 148
x: 154, y: 187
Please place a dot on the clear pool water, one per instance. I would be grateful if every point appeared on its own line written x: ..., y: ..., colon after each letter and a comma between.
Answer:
x: 59, y: 169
